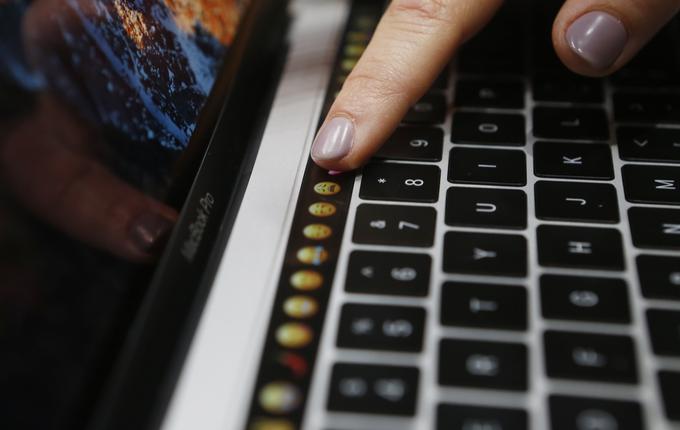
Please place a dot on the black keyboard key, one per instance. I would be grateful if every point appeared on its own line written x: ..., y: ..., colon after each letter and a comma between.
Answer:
x: 487, y: 167
x: 664, y: 331
x: 670, y: 391
x: 394, y: 225
x: 580, y: 247
x: 388, y: 273
x: 575, y: 201
x: 652, y: 184
x: 487, y: 128
x: 570, y: 123
x: 655, y: 228
x: 494, y: 365
x: 580, y: 413
x: 463, y: 417
x: 647, y: 108
x: 567, y: 88
x: 590, y: 357
x: 485, y: 207
x: 649, y: 144
x: 413, y: 144
x: 400, y: 182
x: 484, y: 306
x: 370, y: 389
x: 659, y: 276
x: 431, y: 109
x: 383, y: 328
x: 584, y: 299
x: 485, y: 254
x: 505, y: 94
x: 573, y: 161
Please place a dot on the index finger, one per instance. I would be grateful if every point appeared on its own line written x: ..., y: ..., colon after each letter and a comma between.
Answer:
x: 413, y: 42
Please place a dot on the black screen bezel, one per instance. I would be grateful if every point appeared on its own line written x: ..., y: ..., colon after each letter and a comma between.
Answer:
x: 218, y: 162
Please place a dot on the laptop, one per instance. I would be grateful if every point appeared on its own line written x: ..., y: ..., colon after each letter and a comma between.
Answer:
x: 510, y: 259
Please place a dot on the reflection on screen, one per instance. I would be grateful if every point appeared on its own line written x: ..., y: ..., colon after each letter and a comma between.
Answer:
x: 98, y: 99
x: 142, y: 67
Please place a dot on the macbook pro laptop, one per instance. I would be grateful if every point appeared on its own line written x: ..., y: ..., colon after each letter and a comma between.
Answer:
x: 510, y: 259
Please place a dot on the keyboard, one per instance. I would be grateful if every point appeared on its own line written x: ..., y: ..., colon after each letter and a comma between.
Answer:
x: 510, y: 259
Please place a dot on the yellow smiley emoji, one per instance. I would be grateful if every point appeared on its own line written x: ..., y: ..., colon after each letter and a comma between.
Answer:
x: 306, y: 280
x: 279, y: 397
x: 300, y: 307
x: 322, y: 209
x: 294, y: 335
x: 327, y: 188
x: 317, y: 231
x: 315, y: 255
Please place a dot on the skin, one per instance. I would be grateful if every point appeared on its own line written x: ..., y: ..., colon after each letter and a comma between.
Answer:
x: 427, y: 33
x: 49, y: 160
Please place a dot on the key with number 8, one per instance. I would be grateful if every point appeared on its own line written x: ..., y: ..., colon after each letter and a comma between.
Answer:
x: 400, y: 182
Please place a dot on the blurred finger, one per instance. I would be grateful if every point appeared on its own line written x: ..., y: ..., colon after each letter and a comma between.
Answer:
x: 413, y: 42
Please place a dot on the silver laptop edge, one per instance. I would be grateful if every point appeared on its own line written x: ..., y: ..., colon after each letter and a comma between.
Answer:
x: 216, y: 382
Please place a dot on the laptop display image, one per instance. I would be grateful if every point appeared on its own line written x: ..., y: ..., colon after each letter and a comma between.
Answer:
x: 174, y: 259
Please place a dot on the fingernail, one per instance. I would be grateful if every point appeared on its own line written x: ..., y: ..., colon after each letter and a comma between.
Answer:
x: 335, y: 172
x: 335, y: 140
x: 598, y: 38
x: 148, y: 232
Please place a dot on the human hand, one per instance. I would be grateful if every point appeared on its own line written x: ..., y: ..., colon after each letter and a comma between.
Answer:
x: 48, y: 160
x: 416, y: 39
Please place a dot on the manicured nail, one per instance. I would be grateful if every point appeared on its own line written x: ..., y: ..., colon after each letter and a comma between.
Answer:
x: 148, y: 232
x: 335, y: 172
x: 335, y: 140
x: 598, y: 38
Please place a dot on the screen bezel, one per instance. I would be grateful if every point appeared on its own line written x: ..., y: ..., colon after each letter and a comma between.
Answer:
x: 217, y: 163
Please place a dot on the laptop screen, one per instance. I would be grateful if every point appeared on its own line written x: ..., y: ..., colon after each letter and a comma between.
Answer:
x: 99, y: 100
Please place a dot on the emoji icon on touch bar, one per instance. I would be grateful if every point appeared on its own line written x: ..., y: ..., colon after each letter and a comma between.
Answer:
x: 300, y: 307
x: 280, y: 397
x: 271, y: 424
x: 322, y: 209
x: 315, y: 255
x: 317, y: 231
x: 327, y: 188
x: 294, y: 363
x: 306, y: 280
x: 294, y: 335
